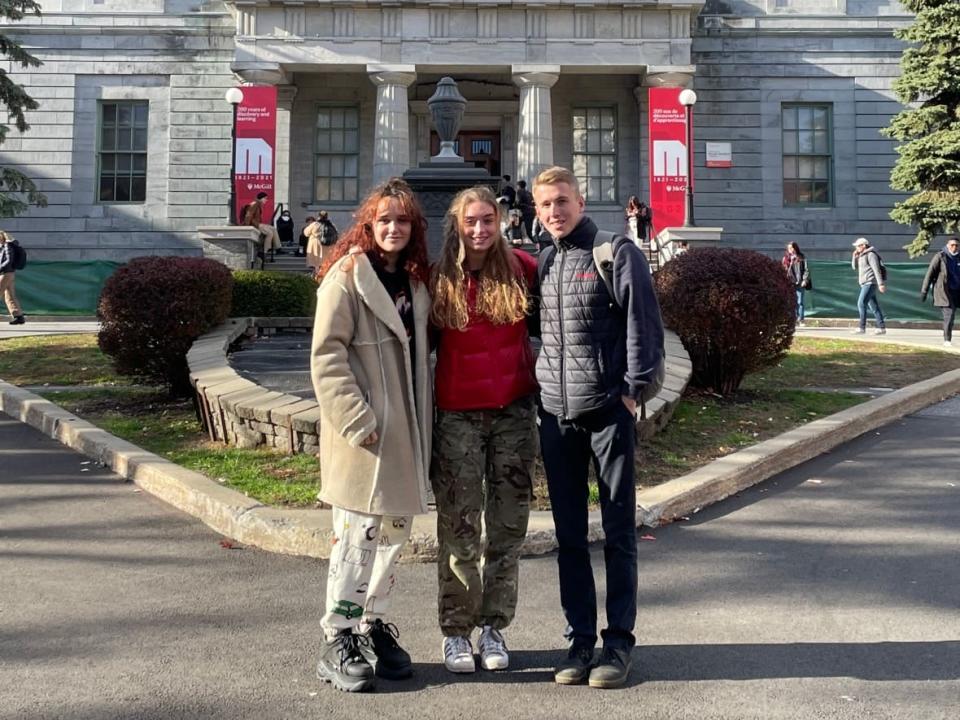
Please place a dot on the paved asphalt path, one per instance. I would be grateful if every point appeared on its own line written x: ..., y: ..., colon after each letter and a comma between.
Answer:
x: 831, y: 591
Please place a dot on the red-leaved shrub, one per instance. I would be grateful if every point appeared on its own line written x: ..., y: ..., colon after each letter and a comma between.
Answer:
x: 734, y: 310
x: 153, y: 308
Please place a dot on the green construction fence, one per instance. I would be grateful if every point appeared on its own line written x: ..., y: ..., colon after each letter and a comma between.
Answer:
x: 72, y: 288
x: 62, y: 287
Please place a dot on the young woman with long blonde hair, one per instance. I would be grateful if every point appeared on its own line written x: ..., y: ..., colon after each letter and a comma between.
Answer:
x: 484, y: 441
x: 370, y: 371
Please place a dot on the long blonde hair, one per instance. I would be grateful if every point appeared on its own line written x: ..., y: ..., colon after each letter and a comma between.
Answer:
x: 502, y: 289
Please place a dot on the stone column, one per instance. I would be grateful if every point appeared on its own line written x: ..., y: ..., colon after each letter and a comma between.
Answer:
x: 281, y: 181
x: 391, y: 141
x: 535, y: 136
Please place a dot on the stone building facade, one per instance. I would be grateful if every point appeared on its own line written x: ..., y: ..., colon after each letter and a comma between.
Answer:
x: 131, y: 142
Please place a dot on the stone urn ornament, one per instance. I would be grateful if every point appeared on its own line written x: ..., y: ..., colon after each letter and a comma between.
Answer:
x: 446, y: 109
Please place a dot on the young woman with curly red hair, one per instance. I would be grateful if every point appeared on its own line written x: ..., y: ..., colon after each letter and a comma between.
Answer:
x: 370, y: 371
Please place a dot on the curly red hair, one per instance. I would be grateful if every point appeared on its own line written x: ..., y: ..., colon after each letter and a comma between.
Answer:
x: 413, y: 257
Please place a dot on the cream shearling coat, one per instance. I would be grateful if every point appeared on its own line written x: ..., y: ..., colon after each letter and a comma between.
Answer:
x: 361, y: 369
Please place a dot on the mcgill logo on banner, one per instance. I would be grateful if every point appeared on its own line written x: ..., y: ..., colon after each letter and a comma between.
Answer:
x: 254, y: 157
x: 668, y: 157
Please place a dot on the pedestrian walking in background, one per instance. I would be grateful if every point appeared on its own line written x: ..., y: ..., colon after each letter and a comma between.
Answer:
x: 602, y: 356
x: 526, y: 206
x: 484, y: 441
x: 10, y: 258
x: 871, y: 277
x: 944, y: 275
x: 795, y: 263
x: 321, y: 235
x: 370, y: 371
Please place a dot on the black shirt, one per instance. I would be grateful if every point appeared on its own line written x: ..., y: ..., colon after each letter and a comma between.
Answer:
x: 397, y: 285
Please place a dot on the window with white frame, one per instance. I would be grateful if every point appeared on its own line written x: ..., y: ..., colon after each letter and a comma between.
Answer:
x: 595, y: 152
x: 807, y: 132
x: 122, y: 151
x: 337, y: 154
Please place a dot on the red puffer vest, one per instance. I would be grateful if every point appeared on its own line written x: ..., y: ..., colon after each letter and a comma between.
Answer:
x: 486, y: 366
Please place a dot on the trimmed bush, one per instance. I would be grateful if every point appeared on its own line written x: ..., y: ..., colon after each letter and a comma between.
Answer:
x: 153, y: 308
x: 734, y: 311
x: 259, y: 293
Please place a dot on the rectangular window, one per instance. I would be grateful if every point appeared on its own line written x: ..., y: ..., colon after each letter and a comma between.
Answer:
x: 595, y: 153
x: 122, y: 153
x: 337, y: 154
x: 807, y: 155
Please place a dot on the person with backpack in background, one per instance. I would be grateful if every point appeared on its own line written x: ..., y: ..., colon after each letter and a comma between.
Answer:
x: 872, y: 276
x: 321, y: 234
x: 601, y: 361
x: 944, y: 275
x: 12, y: 258
x: 795, y: 263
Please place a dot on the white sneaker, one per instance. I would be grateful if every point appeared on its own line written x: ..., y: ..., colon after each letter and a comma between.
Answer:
x: 458, y: 654
x: 880, y: 331
x: 493, y: 649
x: 857, y: 331
x: 947, y: 343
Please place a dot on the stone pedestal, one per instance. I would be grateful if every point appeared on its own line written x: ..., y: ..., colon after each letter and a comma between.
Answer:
x: 435, y: 185
x: 391, y: 141
x: 694, y: 236
x: 233, y: 245
x: 535, y: 138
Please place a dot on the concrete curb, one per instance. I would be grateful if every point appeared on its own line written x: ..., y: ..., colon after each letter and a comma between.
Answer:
x: 308, y: 532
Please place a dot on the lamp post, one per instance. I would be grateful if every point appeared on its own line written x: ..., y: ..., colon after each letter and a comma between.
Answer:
x: 688, y: 98
x: 234, y: 96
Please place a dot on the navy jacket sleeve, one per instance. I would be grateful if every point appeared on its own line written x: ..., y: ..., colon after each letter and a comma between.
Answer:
x: 633, y: 286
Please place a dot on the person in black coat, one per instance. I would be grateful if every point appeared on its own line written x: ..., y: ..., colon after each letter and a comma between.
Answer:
x: 944, y: 275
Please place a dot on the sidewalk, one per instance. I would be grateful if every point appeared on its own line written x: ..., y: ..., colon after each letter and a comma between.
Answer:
x: 45, y: 326
x: 308, y: 532
x: 932, y: 339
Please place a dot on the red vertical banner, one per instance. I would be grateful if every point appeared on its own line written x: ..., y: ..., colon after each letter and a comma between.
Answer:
x: 667, y: 124
x: 255, y: 147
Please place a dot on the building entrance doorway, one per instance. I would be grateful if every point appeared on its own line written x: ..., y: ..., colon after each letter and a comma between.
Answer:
x: 480, y: 148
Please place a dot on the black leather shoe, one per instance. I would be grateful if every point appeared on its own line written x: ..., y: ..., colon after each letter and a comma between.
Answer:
x: 575, y: 668
x: 18, y: 320
x: 389, y: 660
x: 343, y: 665
x: 612, y: 669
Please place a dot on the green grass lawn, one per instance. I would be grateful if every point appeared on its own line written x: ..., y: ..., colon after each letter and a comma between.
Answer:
x: 813, y: 381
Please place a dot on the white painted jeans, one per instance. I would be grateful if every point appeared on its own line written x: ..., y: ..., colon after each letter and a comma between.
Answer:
x: 361, y: 575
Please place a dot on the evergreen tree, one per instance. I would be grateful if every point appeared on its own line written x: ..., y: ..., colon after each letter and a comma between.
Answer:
x: 16, y: 189
x: 929, y: 162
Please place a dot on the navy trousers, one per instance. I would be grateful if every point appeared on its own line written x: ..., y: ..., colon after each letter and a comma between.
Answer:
x: 607, y: 438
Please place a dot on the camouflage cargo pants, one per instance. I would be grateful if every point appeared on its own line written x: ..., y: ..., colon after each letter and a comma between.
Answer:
x: 482, y: 464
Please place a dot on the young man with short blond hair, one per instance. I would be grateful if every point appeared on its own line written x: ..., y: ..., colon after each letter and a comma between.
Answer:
x: 601, y: 356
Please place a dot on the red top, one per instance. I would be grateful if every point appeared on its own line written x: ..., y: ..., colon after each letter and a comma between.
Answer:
x: 486, y: 366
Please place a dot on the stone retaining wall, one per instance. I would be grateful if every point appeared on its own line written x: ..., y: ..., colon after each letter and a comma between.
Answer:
x: 239, y: 412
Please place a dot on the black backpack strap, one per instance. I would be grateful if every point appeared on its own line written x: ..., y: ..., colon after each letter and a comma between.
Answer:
x: 545, y: 257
